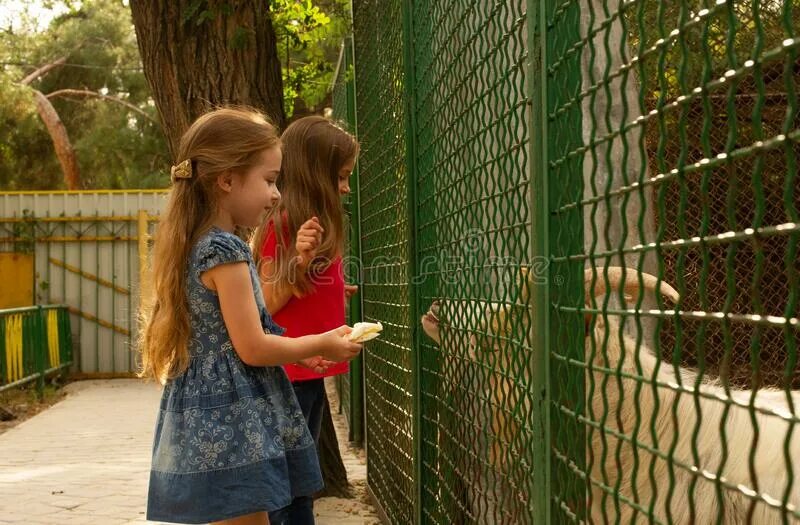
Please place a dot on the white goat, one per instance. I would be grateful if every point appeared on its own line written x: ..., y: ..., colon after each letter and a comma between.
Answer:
x: 699, y: 406
x: 476, y: 386
x: 678, y: 406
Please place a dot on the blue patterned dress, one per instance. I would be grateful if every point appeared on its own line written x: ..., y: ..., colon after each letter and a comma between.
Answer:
x: 230, y: 438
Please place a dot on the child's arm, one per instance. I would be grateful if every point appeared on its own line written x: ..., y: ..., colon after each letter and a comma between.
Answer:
x: 275, y: 297
x: 255, y: 348
x: 350, y: 290
x: 308, y: 239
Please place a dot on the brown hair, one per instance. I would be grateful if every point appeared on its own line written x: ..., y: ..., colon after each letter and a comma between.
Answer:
x: 314, y: 151
x: 223, y: 140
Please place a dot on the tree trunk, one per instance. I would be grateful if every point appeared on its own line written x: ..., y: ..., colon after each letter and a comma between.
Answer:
x: 301, y: 110
x: 613, y: 109
x: 195, y: 62
x: 621, y: 105
x: 334, y: 472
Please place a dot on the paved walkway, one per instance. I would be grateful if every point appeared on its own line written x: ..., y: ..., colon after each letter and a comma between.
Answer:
x: 86, y: 461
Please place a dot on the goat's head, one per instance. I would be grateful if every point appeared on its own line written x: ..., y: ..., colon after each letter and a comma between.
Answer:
x: 495, y: 320
x: 474, y: 322
x: 430, y: 322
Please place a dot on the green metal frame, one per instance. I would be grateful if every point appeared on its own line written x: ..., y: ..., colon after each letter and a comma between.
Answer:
x: 540, y: 247
x: 410, y: 102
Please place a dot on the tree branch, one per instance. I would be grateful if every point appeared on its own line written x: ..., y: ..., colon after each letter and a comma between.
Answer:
x: 58, y: 134
x: 39, y: 72
x: 87, y: 93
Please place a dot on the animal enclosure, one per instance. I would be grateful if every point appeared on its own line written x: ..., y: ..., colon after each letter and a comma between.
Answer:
x: 593, y: 208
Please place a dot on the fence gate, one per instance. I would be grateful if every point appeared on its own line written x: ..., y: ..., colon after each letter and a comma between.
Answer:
x: 518, y: 159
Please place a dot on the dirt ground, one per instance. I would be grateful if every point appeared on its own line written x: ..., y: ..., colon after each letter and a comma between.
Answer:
x: 359, y: 509
x: 23, y: 403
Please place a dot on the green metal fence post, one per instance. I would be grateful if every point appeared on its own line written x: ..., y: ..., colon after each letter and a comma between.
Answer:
x: 357, y: 365
x: 65, y: 340
x: 564, y: 169
x: 411, y: 174
x: 40, y: 349
x: 340, y: 113
x: 539, y: 246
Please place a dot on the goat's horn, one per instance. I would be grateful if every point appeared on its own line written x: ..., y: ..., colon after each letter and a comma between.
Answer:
x: 630, y: 285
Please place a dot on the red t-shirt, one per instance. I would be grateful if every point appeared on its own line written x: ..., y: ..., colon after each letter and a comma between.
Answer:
x: 318, y: 312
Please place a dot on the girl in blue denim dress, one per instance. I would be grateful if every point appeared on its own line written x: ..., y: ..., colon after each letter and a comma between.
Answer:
x: 231, y: 443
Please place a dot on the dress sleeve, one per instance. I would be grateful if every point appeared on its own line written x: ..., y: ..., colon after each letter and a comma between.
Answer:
x: 222, y: 248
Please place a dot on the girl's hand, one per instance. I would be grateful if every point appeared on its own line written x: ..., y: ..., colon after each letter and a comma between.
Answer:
x: 318, y: 364
x: 309, y: 237
x: 336, y: 347
x: 350, y: 290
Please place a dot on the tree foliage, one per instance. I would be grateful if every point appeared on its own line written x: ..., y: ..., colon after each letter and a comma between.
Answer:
x: 116, y: 146
x: 309, y: 36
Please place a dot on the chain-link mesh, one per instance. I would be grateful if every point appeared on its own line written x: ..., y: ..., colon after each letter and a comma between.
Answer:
x: 751, y: 191
x: 341, y: 111
x: 660, y: 138
x: 677, y: 144
x: 384, y: 253
x: 470, y: 110
x: 349, y: 385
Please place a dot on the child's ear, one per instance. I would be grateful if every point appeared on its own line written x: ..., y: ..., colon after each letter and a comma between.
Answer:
x: 225, y: 181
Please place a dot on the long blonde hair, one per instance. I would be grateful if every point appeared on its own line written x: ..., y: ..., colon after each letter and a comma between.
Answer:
x: 314, y: 151
x: 223, y: 140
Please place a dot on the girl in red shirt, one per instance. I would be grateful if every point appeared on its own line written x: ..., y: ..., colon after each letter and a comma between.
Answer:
x: 301, y: 269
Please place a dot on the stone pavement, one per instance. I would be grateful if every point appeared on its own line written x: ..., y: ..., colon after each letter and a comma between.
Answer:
x: 86, y: 461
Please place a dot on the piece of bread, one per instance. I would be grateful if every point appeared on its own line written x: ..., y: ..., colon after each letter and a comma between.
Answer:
x: 363, y: 332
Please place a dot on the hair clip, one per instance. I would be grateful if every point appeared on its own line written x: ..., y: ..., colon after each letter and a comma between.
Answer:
x: 182, y: 170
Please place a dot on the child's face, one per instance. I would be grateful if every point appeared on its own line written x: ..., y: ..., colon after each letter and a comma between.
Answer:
x: 255, y: 192
x: 344, y: 177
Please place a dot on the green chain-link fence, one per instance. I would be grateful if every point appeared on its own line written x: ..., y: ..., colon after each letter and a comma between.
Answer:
x: 350, y: 386
x: 385, y: 250
x: 515, y: 155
